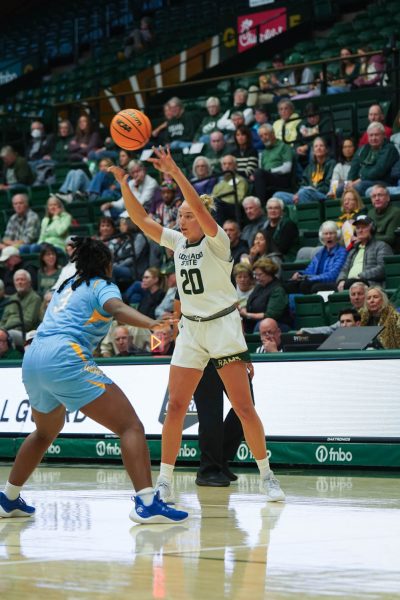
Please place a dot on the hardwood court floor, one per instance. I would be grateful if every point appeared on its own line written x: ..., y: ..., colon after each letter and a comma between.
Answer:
x: 337, y: 536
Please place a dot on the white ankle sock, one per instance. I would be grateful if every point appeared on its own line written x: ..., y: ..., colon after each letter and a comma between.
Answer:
x: 146, y: 495
x: 12, y: 491
x: 166, y: 472
x: 264, y: 467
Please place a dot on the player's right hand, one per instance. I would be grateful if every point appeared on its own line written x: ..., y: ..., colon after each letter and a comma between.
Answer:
x: 119, y: 173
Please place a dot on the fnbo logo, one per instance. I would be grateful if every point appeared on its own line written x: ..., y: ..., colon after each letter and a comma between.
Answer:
x: 321, y: 454
x: 101, y: 448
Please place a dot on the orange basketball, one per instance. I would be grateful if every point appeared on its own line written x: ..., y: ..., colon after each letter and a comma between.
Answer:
x: 130, y: 129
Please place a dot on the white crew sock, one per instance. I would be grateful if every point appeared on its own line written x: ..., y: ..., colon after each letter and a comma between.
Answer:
x: 264, y: 467
x: 166, y: 472
x: 12, y: 491
x: 146, y: 495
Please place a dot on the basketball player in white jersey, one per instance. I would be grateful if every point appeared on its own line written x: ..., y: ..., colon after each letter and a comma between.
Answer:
x: 210, y: 327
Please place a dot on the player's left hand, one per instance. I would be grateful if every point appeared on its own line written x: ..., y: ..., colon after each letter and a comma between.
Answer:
x: 250, y: 370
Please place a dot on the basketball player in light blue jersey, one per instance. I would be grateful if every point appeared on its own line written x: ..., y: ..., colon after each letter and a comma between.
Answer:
x: 59, y: 374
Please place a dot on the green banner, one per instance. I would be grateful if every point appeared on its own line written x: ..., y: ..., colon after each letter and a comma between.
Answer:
x: 280, y: 453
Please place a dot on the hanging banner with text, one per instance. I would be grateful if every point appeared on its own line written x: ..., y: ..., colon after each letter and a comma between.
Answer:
x: 259, y: 27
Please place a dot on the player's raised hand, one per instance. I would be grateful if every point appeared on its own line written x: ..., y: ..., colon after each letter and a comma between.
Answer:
x: 119, y: 174
x: 164, y: 161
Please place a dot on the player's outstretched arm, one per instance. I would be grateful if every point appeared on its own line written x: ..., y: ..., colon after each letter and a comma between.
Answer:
x: 125, y: 314
x: 135, y: 210
x: 164, y: 162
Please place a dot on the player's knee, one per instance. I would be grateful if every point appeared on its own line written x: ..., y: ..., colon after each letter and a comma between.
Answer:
x: 177, y: 405
x: 244, y: 411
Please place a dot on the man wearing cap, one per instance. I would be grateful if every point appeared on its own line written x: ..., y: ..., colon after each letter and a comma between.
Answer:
x: 385, y: 215
x: 16, y: 169
x: 10, y: 262
x: 29, y: 302
x: 23, y: 226
x: 365, y: 260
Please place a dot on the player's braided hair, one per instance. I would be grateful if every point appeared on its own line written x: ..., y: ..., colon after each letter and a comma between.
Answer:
x: 92, y: 259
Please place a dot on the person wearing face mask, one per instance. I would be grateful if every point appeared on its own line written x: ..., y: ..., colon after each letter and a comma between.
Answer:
x: 39, y: 151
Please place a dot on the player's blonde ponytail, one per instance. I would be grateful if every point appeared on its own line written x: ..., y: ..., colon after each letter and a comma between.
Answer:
x: 208, y: 202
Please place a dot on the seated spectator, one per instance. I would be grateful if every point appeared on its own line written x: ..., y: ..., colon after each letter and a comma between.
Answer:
x: 275, y: 165
x: 270, y: 335
x: 141, y: 38
x: 167, y: 211
x: 310, y: 127
x: 124, y: 158
x: 216, y: 150
x: 341, y: 170
x: 7, y: 350
x: 230, y: 191
x: 375, y: 115
x: 372, y: 69
x: 152, y: 285
x: 49, y: 269
x: 45, y: 303
x: 255, y: 219
x: 379, y: 311
x: 107, y: 233
x: 142, y: 185
x: 140, y: 339
x: 181, y: 127
x: 167, y: 345
x: 244, y: 281
x: 316, y: 177
x: 65, y: 134
x: 159, y: 133
x: 103, y: 184
x: 385, y: 215
x: 26, y: 299
x: 237, y: 245
x: 263, y: 93
x: 351, y: 204
x: 372, y: 163
x: 130, y: 254
x: 349, y: 317
x: 246, y: 156
x: 281, y: 232
x: 40, y: 146
x: 268, y: 299
x: 84, y: 141
x: 23, y: 226
x: 74, y: 187
x: 225, y: 123
x: 123, y: 342
x: 261, y: 117
x: 15, y: 170
x: 262, y: 249
x: 54, y: 228
x: 349, y: 70
x: 285, y: 128
x: 324, y: 268
x: 10, y: 263
x: 203, y: 180
x: 209, y: 122
x: 166, y: 307
x: 365, y: 261
x: 300, y: 80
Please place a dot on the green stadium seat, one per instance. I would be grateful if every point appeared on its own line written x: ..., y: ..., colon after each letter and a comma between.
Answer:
x: 82, y: 230
x: 336, y: 302
x: 310, y: 311
x: 289, y: 268
x: 5, y: 201
x: 39, y: 195
x: 31, y: 259
x: 309, y: 216
x: 392, y: 271
x: 332, y: 210
x: 81, y: 212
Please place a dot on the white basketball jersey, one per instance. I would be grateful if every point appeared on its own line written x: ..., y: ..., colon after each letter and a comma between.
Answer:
x: 203, y: 272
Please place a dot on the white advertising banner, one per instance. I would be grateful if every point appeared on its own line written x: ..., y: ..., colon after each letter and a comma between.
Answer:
x: 332, y: 399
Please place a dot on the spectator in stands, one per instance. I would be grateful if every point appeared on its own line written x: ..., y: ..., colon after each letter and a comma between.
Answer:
x: 141, y: 38
x: 375, y: 115
x: 261, y: 94
x: 349, y: 317
x: 300, y: 80
x: 143, y: 186
x: 379, y: 311
x: 10, y: 263
x: 40, y: 146
x: 281, y: 232
x: 351, y: 204
x: 49, y: 269
x: 28, y: 300
x: 140, y: 339
x: 276, y: 164
x: 124, y: 158
x: 285, y: 128
x: 84, y: 141
x: 167, y: 211
x: 3, y: 298
x: 225, y: 123
x: 209, y: 122
x: 270, y: 335
x: 372, y: 163
x: 123, y: 342
x: 107, y: 233
x: 372, y: 68
x: 244, y: 280
x: 103, y: 184
x: 203, y: 179
x: 216, y: 150
x: 268, y: 299
x: 23, y: 226
x: 261, y: 248
x: 310, y: 127
x: 261, y: 117
x: 244, y: 152
x: 349, y: 70
x: 54, y: 228
x: 131, y: 253
x: 64, y: 136
x: 341, y: 170
x: 153, y: 287
x: 365, y: 260
x: 255, y: 218
x: 7, y: 350
x: 74, y: 187
x: 324, y: 268
x: 385, y: 215
x: 181, y: 126
x: 15, y: 170
x: 230, y: 191
x: 316, y: 177
x: 166, y: 307
x: 159, y: 133
x: 238, y: 246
